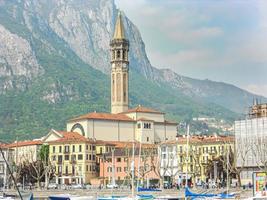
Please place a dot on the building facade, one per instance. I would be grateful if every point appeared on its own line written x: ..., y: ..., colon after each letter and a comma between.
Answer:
x: 119, y: 164
x: 251, y: 146
x: 25, y: 151
x: 202, y: 149
x: 73, y: 158
x: 4, y: 173
x: 123, y: 124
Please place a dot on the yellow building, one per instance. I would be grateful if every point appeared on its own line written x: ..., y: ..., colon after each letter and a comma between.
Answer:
x: 202, y: 150
x: 73, y: 156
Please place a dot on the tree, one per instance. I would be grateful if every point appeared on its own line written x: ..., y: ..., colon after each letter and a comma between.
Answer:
x: 260, y: 152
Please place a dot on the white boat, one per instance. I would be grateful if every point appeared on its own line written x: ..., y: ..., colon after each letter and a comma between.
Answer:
x: 69, y: 197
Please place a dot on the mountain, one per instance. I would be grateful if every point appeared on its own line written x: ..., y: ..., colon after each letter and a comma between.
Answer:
x: 54, y: 65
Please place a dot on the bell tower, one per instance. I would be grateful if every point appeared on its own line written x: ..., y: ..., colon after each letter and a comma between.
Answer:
x: 119, y: 47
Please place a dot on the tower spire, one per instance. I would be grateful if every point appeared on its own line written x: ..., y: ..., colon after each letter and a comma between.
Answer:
x: 119, y: 47
x: 119, y: 29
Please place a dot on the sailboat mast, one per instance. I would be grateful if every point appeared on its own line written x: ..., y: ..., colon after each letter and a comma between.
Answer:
x: 132, y: 168
x: 187, y: 154
x: 138, y: 169
x: 227, y: 172
x: 15, y: 183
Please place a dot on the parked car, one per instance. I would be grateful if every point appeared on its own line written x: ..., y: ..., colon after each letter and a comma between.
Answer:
x: 52, y: 186
x: 111, y: 186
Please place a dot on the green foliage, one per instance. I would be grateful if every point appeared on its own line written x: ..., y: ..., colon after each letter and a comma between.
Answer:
x: 44, y: 153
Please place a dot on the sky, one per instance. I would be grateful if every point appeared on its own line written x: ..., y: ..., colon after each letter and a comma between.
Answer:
x: 220, y: 40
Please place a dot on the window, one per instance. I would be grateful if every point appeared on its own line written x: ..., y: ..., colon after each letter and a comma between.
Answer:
x: 125, y: 159
x: 101, y: 150
x: 87, y: 147
x: 80, y: 148
x: 139, y: 125
x: 93, y: 147
x: 73, y: 148
x: 147, y: 125
x: 191, y: 158
x: 191, y: 168
x: 73, y: 157
x: 147, y: 139
x: 66, y: 170
x: 125, y: 169
x: 54, y: 158
x: 80, y: 157
x: 59, y: 169
x: 1, y: 168
x: 93, y: 157
x: 73, y: 170
x: 181, y: 159
x: 54, y: 149
x: 90, y: 168
x: 59, y: 159
x: 181, y: 149
x: 67, y: 157
x: 66, y: 149
x: 118, y: 169
x: 109, y: 169
x: 123, y: 54
x: 90, y: 157
x: 118, y: 54
x: 87, y: 157
x: 118, y: 159
x: 60, y: 149
x: 93, y: 168
x: 90, y: 147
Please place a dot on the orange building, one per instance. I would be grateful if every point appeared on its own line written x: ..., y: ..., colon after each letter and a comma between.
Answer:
x: 118, y: 163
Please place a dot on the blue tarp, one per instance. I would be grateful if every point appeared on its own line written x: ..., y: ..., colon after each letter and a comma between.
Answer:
x: 188, y: 193
x: 148, y: 190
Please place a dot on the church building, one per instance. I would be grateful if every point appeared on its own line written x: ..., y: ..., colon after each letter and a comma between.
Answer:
x: 123, y: 124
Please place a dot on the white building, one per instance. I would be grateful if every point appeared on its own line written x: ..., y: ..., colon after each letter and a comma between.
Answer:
x: 3, y: 166
x: 123, y: 124
x: 251, y: 146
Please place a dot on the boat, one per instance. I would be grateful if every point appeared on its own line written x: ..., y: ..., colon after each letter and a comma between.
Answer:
x: 148, y: 189
x: 69, y: 197
x: 196, y: 196
x: 137, y: 197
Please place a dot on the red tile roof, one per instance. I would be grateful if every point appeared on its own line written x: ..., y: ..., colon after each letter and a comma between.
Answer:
x: 70, y: 137
x: 119, y: 144
x: 201, y: 139
x: 144, y: 119
x: 143, y: 110
x: 104, y: 116
x: 24, y: 143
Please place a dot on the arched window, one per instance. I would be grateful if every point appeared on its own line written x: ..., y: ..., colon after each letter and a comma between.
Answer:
x: 123, y: 54
x: 78, y: 126
x: 118, y: 54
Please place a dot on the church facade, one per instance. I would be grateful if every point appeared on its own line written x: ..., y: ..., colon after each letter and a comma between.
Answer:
x: 123, y: 124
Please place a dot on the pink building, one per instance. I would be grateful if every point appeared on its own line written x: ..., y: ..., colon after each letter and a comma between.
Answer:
x: 121, y: 162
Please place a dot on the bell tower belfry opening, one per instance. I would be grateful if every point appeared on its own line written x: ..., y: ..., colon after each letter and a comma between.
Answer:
x: 119, y: 47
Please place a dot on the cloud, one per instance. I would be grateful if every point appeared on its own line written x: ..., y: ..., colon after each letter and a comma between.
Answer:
x: 179, y: 60
x: 257, y: 89
x: 218, y: 40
